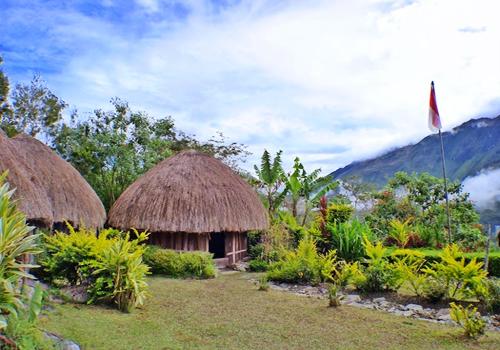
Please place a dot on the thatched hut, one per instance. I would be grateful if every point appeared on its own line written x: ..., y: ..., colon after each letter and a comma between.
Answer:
x: 49, y: 190
x: 192, y: 201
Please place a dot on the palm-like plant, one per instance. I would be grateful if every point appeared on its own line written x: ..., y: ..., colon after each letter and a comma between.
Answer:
x: 271, y: 178
x: 400, y: 232
x: 16, y: 242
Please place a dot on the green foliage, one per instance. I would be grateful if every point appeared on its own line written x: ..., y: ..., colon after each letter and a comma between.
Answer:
x: 469, y: 319
x: 420, y: 199
x: 121, y: 274
x: 400, y: 232
x: 434, y: 290
x: 378, y: 273
x: 469, y: 238
x: 179, y: 265
x: 304, y: 265
x: 334, y: 295
x: 71, y: 258
x: 16, y: 242
x: 296, y: 231
x: 338, y: 213
x: 112, y: 149
x: 347, y: 239
x: 271, y: 178
x: 34, y: 108
x: 408, y: 267
x: 258, y: 265
x: 263, y: 283
x: 460, y: 278
x: 491, y: 294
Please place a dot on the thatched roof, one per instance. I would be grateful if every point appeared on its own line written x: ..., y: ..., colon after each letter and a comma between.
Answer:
x: 49, y: 189
x: 189, y: 192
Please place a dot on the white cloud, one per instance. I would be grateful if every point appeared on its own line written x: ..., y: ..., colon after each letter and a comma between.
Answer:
x: 331, y: 81
x: 484, y: 188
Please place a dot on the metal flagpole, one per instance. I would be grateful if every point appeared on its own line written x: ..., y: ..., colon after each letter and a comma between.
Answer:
x: 445, y: 187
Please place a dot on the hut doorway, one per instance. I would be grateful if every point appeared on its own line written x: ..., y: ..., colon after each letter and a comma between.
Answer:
x: 217, y: 244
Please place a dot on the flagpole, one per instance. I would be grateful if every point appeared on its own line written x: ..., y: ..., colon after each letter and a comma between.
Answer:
x: 445, y: 187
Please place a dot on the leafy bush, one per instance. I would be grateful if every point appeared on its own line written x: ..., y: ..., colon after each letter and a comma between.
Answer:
x: 304, y: 265
x: 469, y: 319
x: 434, y: 290
x: 378, y: 273
x: 334, y: 296
x: 400, y: 232
x: 469, y: 238
x: 337, y: 213
x: 71, y: 257
x: 18, y: 313
x: 491, y: 295
x: 180, y: 265
x: 263, y: 283
x: 460, y: 278
x: 258, y: 265
x: 347, y: 239
x: 408, y: 266
x: 121, y: 274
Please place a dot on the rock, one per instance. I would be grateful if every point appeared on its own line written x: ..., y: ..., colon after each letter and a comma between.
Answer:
x: 352, y: 298
x: 414, y: 307
x: 77, y: 294
x: 443, y: 313
x: 69, y: 345
x: 379, y: 300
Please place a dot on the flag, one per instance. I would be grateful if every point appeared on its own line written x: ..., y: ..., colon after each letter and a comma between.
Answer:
x: 434, y: 120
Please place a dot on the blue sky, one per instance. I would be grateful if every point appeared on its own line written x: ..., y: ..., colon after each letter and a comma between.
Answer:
x: 329, y: 81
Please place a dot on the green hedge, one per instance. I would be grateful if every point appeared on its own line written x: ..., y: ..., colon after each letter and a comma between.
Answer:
x: 432, y: 255
x: 179, y: 264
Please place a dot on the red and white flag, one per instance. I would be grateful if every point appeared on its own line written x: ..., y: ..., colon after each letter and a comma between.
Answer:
x: 434, y: 120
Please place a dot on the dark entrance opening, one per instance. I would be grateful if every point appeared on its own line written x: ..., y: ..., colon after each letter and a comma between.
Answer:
x: 216, y: 245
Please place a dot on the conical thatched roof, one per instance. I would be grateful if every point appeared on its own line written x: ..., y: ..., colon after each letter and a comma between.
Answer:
x: 189, y: 192
x: 49, y: 189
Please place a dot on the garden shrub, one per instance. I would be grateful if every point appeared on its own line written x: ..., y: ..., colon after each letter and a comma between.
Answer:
x: 18, y: 312
x: 304, y: 265
x: 258, y: 265
x: 460, y: 278
x: 347, y: 239
x: 400, y: 232
x: 338, y: 212
x: 469, y: 238
x: 469, y: 319
x: 491, y: 295
x: 334, y: 295
x: 71, y: 257
x: 121, y: 274
x: 179, y: 264
x: 434, y: 290
x: 408, y: 268
x: 378, y: 273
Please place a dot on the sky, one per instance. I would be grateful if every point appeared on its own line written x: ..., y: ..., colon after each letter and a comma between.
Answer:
x: 329, y: 81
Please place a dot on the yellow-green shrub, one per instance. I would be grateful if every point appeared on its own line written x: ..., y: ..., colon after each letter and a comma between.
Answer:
x: 304, y: 265
x: 469, y: 319
x: 179, y: 264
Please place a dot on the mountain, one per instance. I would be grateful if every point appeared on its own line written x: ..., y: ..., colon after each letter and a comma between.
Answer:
x: 469, y: 148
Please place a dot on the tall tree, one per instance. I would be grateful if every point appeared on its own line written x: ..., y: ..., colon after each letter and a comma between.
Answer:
x: 271, y: 178
x: 34, y: 109
x: 111, y: 149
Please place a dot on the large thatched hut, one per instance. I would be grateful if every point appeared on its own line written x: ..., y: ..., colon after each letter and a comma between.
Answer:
x: 48, y: 189
x: 192, y: 201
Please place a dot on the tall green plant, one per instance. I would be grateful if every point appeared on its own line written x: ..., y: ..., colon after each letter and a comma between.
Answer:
x: 400, y: 231
x: 271, y: 178
x: 121, y: 274
x: 347, y: 239
x: 16, y: 242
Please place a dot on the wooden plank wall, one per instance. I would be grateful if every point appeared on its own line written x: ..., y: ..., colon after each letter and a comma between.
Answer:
x: 180, y: 241
x: 236, y: 246
x: 235, y: 243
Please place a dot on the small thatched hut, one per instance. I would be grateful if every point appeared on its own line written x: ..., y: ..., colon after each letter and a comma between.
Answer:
x: 192, y: 201
x: 49, y: 190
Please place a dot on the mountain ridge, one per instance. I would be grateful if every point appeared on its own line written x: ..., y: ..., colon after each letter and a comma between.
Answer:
x: 470, y: 148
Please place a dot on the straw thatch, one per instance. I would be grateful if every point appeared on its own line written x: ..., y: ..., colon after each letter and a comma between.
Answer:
x: 49, y: 189
x: 190, y: 192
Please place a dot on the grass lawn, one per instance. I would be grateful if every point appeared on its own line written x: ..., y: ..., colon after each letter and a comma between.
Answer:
x: 229, y: 313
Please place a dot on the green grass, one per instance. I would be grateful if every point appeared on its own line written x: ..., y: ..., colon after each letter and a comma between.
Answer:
x: 230, y: 313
